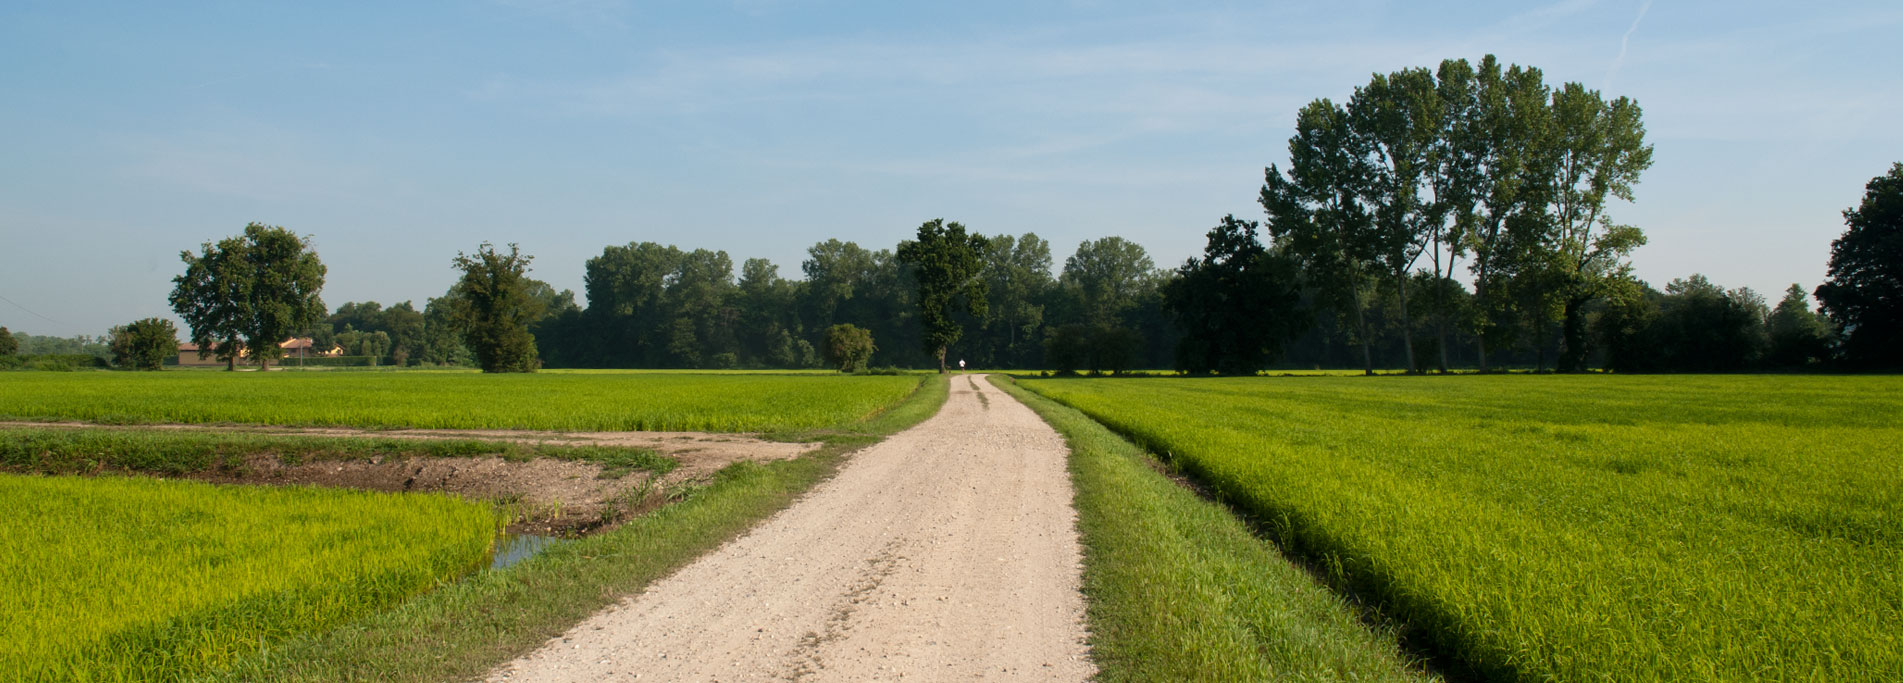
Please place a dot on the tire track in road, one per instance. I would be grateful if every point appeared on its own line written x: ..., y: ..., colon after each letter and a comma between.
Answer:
x: 947, y: 552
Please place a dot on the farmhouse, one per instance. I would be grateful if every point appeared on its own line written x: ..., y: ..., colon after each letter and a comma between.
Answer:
x: 296, y: 347
x: 188, y: 355
x: 303, y: 347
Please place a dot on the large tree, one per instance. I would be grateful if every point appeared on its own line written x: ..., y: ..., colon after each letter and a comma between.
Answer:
x: 1017, y: 272
x: 1237, y: 305
x: 8, y: 345
x: 946, y: 262
x: 250, y: 292
x: 1399, y: 118
x: 1596, y: 153
x: 1864, y: 292
x: 1107, y: 277
x: 1316, y: 212
x: 494, y: 308
x: 1502, y: 137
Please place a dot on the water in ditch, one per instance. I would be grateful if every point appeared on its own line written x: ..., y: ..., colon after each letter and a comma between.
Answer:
x: 513, y: 548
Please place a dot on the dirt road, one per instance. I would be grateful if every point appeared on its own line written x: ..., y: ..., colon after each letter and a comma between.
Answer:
x: 947, y: 552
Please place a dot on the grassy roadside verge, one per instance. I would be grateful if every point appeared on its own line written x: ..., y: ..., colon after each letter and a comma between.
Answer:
x: 466, y: 628
x: 1179, y: 589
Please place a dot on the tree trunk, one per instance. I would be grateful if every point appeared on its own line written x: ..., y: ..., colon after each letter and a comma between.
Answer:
x: 941, y: 360
x: 1572, y: 357
x: 1361, y: 329
x: 1407, y: 327
x: 1439, y: 316
x: 1440, y: 328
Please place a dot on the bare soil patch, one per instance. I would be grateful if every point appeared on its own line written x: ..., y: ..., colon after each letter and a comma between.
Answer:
x: 549, y: 496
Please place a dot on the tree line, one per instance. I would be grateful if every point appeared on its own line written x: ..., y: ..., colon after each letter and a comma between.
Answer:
x: 1439, y: 218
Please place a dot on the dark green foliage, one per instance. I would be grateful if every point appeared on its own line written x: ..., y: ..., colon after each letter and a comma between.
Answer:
x: 1315, y: 213
x: 144, y: 344
x: 1864, y: 293
x: 658, y: 306
x: 357, y: 326
x: 1017, y: 273
x: 1107, y: 278
x: 1798, y: 335
x: 1694, y: 326
x: 494, y: 308
x: 1459, y: 160
x: 945, y: 262
x: 1079, y: 347
x: 849, y: 347
x: 442, y: 334
x: 55, y: 362
x: 1237, y: 305
x: 250, y: 292
x: 8, y: 345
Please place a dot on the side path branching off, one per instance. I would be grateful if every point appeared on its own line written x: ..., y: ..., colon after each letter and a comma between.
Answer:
x: 466, y: 628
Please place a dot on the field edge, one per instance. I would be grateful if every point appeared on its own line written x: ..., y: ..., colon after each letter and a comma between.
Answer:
x: 1178, y: 588
x: 468, y: 627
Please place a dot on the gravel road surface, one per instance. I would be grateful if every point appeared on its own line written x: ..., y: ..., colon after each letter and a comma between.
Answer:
x: 947, y: 552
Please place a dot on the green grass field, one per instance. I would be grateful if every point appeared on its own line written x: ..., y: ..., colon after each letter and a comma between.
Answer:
x: 129, y: 578
x: 1179, y: 589
x: 617, y: 401
x: 1570, y: 528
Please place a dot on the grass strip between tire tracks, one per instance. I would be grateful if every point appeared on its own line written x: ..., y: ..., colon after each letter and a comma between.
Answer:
x: 467, y: 627
x: 1179, y: 589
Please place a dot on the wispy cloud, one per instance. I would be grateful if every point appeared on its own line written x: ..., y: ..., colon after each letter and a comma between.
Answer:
x: 1618, y: 62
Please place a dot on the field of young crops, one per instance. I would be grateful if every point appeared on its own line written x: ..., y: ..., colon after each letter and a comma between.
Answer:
x: 1570, y: 528
x: 146, y: 579
x: 632, y: 401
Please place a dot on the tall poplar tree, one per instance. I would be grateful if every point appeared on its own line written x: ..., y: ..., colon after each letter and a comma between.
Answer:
x: 1596, y: 152
x: 1316, y: 212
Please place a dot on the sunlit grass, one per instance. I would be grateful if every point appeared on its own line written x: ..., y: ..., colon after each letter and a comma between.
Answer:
x: 1599, y: 527
x: 1180, y: 590
x: 555, y: 401
x: 114, y: 578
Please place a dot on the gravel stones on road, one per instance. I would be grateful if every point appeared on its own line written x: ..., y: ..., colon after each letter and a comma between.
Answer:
x: 947, y: 552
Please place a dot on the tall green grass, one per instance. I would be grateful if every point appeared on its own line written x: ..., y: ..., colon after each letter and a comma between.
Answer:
x: 1180, y: 590
x: 113, y: 578
x: 595, y: 401
x: 1570, y: 528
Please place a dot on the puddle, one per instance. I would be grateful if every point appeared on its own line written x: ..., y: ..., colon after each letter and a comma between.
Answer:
x: 513, y: 548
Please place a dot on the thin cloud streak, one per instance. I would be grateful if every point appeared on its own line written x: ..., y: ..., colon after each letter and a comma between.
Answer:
x: 1624, y: 40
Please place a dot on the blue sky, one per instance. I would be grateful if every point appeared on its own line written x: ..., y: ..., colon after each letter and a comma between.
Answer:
x: 397, y: 134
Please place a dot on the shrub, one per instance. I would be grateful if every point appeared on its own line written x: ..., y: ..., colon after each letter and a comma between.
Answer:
x: 144, y: 344
x: 849, y: 347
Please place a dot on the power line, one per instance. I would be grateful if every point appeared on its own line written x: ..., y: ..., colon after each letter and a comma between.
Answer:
x: 29, y: 310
